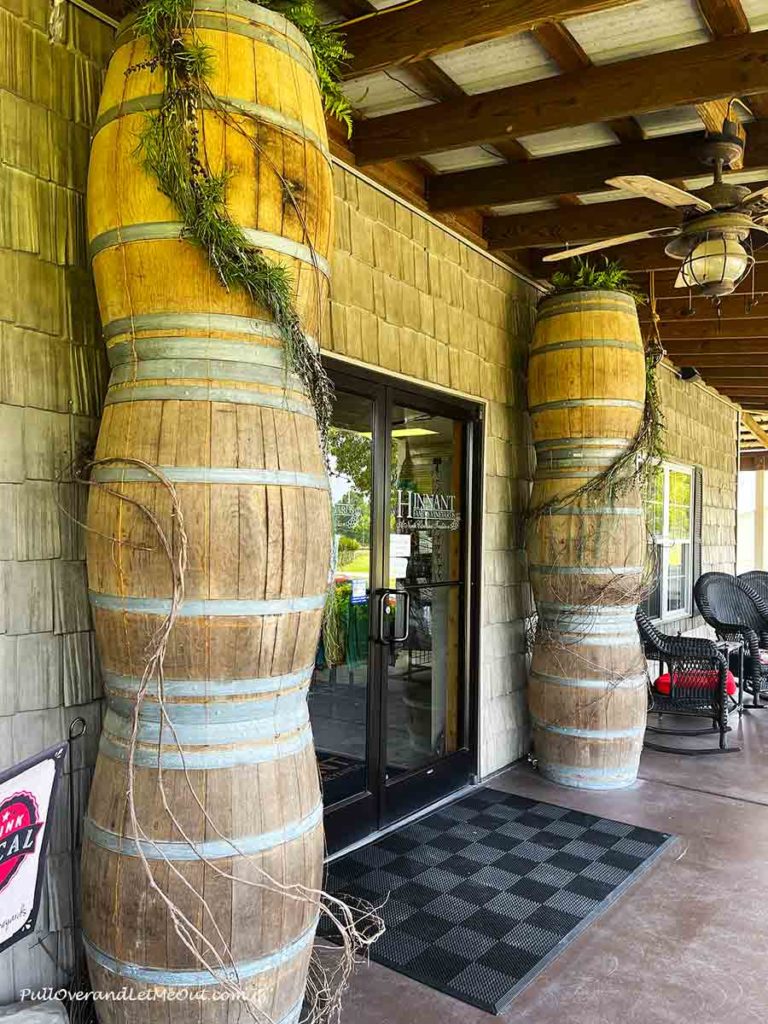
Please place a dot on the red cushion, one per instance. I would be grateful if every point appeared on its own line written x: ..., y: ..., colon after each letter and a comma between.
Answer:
x: 708, y: 678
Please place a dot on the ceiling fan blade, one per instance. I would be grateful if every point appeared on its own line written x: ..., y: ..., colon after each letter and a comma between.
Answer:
x: 754, y: 196
x: 579, y: 250
x: 659, y: 191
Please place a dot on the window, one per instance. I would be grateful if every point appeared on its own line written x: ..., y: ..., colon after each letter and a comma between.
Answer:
x: 672, y: 519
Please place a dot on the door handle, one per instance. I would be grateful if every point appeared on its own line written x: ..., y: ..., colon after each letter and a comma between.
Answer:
x: 397, y: 594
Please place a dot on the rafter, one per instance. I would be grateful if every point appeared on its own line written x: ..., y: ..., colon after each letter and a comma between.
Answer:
x: 568, y: 54
x: 668, y: 158
x: 411, y: 33
x: 732, y: 307
x: 724, y: 17
x: 708, y: 71
x: 723, y: 362
x: 708, y: 330
x: 730, y: 347
x: 727, y: 18
x: 577, y: 224
x: 643, y: 256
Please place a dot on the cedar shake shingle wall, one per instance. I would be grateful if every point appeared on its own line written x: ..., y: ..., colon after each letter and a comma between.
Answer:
x: 701, y: 429
x: 51, y: 380
x: 411, y: 299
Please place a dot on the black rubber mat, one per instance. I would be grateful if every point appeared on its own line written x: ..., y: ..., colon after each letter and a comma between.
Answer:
x: 485, y: 892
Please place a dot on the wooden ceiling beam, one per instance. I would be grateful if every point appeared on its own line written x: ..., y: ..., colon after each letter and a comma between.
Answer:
x: 737, y: 65
x: 754, y: 376
x: 723, y: 362
x: 736, y: 330
x: 667, y: 158
x: 753, y: 402
x: 727, y: 18
x: 413, y: 33
x: 730, y: 347
x: 639, y: 258
x: 577, y: 224
x: 732, y: 307
x: 555, y: 39
x: 724, y: 17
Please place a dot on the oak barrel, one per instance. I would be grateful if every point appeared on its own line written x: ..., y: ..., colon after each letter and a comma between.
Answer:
x: 200, y: 390
x: 587, y: 684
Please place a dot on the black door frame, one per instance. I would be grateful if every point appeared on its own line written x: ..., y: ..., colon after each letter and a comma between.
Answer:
x: 382, y: 803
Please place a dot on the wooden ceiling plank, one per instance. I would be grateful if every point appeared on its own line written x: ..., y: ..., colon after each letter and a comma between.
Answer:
x: 736, y: 65
x: 585, y: 171
x: 424, y: 29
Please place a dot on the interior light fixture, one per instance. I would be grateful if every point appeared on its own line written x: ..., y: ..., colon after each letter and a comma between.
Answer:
x: 715, y: 266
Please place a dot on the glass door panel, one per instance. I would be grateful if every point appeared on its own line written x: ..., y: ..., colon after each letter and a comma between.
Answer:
x: 339, y: 692
x: 422, y: 610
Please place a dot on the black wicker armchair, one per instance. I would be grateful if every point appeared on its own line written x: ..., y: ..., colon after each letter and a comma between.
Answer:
x: 697, y: 682
x: 756, y: 584
x: 733, y: 610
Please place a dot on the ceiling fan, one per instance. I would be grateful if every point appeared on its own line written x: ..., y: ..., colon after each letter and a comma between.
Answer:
x: 713, y: 240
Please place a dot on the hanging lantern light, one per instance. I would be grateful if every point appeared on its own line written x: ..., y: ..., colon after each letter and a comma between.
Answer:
x: 715, y: 266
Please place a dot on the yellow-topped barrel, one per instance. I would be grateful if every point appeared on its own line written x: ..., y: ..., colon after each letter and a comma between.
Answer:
x: 200, y: 392
x: 586, y: 545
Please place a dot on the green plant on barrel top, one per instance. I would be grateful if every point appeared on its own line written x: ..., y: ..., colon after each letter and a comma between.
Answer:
x: 172, y: 149
x: 582, y: 275
x: 637, y: 463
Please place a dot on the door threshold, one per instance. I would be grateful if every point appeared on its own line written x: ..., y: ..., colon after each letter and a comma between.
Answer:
x: 415, y: 816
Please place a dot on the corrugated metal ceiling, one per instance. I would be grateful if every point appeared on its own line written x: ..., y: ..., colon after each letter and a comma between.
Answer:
x: 638, y: 29
x: 512, y: 60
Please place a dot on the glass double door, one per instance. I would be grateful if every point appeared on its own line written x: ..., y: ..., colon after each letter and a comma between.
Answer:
x: 390, y: 695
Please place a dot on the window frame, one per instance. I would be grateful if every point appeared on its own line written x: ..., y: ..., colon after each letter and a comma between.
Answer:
x: 662, y: 544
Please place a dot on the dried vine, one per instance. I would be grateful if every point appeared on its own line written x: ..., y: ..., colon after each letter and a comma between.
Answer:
x: 170, y: 149
x: 355, y: 926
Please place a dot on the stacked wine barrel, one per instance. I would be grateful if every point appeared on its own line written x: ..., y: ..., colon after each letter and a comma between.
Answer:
x: 200, y: 390
x: 586, y: 549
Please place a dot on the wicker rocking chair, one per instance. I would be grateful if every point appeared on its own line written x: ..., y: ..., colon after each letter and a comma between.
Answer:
x: 733, y: 609
x: 697, y: 682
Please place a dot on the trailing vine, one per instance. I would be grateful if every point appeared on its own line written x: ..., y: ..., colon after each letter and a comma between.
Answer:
x: 170, y: 149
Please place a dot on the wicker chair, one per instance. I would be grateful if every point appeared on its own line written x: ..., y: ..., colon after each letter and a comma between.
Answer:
x: 696, y: 683
x: 756, y: 583
x: 733, y: 609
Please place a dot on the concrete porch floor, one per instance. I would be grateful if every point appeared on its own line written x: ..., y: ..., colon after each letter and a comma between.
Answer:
x: 688, y: 942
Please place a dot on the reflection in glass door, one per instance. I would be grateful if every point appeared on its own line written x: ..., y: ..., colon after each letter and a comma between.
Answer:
x: 338, y: 696
x: 389, y: 698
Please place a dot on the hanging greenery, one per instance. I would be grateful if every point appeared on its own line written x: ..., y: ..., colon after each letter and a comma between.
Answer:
x: 638, y: 462
x: 170, y: 149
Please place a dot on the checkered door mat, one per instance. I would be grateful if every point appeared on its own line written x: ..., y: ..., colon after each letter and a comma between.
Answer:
x: 482, y: 894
